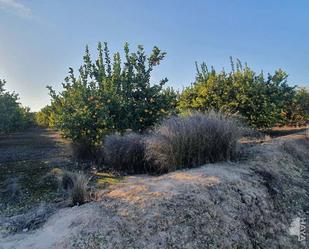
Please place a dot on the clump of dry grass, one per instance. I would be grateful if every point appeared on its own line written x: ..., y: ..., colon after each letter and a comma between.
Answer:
x: 76, y: 184
x: 79, y: 193
x: 125, y: 153
x: 185, y: 142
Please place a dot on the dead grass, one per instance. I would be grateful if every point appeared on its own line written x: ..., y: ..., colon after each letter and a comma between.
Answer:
x: 76, y: 185
x: 79, y: 193
x: 186, y: 142
x: 125, y: 153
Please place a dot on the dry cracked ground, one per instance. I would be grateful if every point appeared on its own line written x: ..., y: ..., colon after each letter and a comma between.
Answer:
x: 246, y: 204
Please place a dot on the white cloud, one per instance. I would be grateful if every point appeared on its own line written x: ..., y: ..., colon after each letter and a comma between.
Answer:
x: 16, y: 7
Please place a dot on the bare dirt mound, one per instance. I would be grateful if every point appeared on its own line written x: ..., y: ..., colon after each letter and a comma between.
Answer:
x: 249, y: 204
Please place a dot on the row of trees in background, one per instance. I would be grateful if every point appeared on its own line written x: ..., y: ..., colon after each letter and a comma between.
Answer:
x: 262, y: 101
x: 13, y: 117
x: 108, y: 95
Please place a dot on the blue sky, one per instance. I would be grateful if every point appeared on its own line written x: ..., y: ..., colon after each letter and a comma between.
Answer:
x: 41, y: 39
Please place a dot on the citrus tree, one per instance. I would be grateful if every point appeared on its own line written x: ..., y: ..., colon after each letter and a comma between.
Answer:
x: 107, y: 95
x: 260, y: 101
x: 298, y: 111
x: 46, y: 117
x: 13, y: 116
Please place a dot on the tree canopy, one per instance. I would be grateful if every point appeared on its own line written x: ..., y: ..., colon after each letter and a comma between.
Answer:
x: 107, y: 95
x: 261, y: 101
x: 13, y: 116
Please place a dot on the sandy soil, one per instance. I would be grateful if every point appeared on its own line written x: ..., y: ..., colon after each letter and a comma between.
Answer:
x: 248, y: 204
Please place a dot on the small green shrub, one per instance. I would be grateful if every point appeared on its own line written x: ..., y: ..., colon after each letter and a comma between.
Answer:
x: 125, y: 153
x: 185, y: 142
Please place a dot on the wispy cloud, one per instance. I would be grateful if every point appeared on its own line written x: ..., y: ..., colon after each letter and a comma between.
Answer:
x: 15, y: 7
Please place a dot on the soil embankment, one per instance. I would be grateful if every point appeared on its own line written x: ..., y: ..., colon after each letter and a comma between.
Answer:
x: 248, y: 204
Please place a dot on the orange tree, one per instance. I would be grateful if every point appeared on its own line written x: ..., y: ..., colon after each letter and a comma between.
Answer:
x: 261, y: 101
x: 13, y: 117
x: 45, y: 117
x: 108, y: 95
x: 298, y: 111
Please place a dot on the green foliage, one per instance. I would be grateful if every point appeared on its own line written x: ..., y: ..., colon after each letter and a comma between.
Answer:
x: 46, y: 117
x: 109, y: 96
x: 298, y: 111
x: 260, y: 101
x: 13, y: 117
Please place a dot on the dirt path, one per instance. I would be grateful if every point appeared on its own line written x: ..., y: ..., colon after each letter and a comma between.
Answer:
x: 33, y: 144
